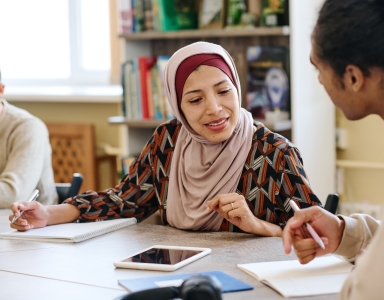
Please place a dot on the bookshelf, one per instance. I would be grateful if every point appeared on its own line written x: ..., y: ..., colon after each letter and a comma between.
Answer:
x: 312, y: 115
x: 235, y: 41
x: 207, y: 33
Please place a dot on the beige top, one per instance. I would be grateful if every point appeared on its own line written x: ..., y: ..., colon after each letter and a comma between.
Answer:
x: 366, y: 280
x: 25, y: 157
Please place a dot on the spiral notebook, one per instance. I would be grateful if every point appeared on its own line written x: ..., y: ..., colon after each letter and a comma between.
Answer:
x: 69, y: 232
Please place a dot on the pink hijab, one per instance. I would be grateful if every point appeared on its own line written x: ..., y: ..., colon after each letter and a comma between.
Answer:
x: 202, y: 169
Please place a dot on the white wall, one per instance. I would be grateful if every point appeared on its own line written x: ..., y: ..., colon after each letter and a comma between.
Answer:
x: 313, y: 113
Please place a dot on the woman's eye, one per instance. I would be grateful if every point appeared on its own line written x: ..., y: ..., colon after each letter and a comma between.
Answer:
x: 195, y: 101
x: 224, y: 92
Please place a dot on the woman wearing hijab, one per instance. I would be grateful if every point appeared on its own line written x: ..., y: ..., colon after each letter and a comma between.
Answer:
x: 212, y: 168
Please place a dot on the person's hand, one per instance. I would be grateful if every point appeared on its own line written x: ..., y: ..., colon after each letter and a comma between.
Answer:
x: 35, y: 215
x: 235, y: 209
x: 329, y: 227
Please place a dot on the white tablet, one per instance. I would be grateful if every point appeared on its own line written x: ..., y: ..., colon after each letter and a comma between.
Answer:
x: 162, y: 258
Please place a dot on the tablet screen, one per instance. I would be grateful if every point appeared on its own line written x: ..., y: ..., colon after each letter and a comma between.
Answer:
x: 162, y: 256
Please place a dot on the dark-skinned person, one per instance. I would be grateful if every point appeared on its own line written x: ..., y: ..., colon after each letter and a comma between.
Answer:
x: 348, y: 51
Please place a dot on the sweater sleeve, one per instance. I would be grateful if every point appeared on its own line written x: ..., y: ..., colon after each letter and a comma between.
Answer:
x: 365, y: 281
x: 134, y: 197
x: 25, y: 161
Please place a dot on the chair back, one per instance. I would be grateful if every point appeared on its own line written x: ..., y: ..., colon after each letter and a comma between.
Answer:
x: 73, y: 151
x: 66, y: 190
x: 331, y: 203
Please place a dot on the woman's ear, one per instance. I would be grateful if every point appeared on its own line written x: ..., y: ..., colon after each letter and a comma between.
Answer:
x: 354, y: 78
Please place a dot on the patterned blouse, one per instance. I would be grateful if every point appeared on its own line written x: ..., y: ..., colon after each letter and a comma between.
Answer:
x: 273, y: 174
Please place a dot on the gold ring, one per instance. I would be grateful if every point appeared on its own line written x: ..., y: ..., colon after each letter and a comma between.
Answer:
x: 232, y: 206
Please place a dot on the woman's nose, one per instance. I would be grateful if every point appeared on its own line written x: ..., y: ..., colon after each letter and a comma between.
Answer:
x: 213, y: 106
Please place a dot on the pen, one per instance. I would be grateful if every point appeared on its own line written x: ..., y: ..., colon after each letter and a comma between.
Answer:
x: 309, y: 227
x: 31, y: 198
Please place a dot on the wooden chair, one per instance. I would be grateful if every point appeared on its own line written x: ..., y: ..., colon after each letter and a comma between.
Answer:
x: 73, y: 151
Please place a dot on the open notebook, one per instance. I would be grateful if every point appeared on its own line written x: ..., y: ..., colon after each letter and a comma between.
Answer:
x: 323, y: 275
x: 69, y: 232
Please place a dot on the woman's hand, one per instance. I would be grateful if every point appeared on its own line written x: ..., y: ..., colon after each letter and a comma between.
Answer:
x: 234, y: 208
x: 35, y: 215
x: 329, y: 227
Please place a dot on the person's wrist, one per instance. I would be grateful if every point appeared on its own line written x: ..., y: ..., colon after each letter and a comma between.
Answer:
x: 49, y: 214
x: 265, y: 228
x: 341, y: 227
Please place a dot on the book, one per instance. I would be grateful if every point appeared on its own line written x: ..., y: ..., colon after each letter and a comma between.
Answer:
x: 124, y: 16
x: 135, y: 92
x: 274, y: 13
x: 267, y: 80
x: 126, y: 70
x: 156, y: 94
x: 228, y: 283
x: 69, y: 232
x: 162, y: 61
x: 145, y: 64
x: 323, y: 275
x: 177, y: 15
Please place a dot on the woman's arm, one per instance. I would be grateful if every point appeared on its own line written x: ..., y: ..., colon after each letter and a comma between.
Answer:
x: 135, y: 196
x: 294, y: 184
x: 37, y: 215
x: 365, y: 281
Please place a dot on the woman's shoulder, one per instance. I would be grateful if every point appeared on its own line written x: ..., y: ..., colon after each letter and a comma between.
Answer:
x: 168, y: 130
x: 266, y: 136
x: 170, y: 126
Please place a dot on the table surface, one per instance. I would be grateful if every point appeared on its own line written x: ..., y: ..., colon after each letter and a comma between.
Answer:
x: 37, y: 270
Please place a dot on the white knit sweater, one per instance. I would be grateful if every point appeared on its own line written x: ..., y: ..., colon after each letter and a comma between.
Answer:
x: 25, y: 157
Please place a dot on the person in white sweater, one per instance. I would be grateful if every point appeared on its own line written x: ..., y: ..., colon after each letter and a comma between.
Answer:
x: 347, y: 50
x: 25, y: 156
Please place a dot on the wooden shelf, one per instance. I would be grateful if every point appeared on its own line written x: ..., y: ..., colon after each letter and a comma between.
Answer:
x: 208, y: 33
x: 135, y: 124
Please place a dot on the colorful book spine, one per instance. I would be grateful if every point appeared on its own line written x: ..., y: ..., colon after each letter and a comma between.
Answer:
x: 124, y: 16
x: 161, y: 63
x: 136, y: 78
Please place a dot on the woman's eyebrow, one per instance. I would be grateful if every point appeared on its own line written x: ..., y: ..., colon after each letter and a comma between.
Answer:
x: 221, y: 82
x: 215, y: 85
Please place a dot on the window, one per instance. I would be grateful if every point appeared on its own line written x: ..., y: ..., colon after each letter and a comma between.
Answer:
x: 54, y: 42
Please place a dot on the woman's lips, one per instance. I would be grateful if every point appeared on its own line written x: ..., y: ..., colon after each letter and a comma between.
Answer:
x: 217, y: 125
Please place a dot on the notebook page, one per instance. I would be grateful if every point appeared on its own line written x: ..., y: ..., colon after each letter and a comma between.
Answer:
x: 292, y: 268
x: 307, y: 286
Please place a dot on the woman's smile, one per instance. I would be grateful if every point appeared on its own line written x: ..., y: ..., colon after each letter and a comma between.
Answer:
x: 217, y: 125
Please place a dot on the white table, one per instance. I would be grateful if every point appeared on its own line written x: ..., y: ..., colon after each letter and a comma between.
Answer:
x: 37, y: 270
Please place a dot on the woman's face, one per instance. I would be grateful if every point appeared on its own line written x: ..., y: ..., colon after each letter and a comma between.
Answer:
x: 338, y: 90
x: 210, y: 103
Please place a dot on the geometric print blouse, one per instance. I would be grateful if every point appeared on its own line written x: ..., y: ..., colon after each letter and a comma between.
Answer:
x: 272, y: 175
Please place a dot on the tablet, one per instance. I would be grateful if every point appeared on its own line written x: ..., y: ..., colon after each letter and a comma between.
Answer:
x: 162, y: 258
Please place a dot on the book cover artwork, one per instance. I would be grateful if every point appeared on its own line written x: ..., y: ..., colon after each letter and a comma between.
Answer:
x: 267, y: 80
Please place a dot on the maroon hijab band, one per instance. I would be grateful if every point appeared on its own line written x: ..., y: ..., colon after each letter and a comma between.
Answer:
x: 191, y: 63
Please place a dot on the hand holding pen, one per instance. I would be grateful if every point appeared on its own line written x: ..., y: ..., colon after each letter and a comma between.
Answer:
x: 324, y: 224
x: 311, y: 231
x: 31, y: 198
